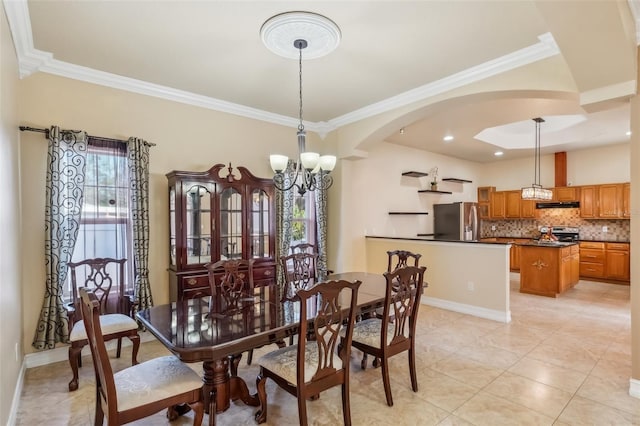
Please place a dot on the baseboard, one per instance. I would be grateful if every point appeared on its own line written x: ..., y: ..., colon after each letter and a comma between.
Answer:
x: 634, y: 388
x: 11, y: 421
x: 476, y: 311
x: 61, y: 353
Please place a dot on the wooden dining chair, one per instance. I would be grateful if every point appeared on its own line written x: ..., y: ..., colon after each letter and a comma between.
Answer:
x: 384, y: 338
x: 400, y: 258
x: 311, y: 249
x: 231, y: 281
x: 299, y: 272
x: 310, y: 367
x: 143, y: 389
x: 101, y: 275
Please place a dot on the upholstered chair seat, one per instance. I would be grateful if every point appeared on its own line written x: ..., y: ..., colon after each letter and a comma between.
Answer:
x: 284, y: 363
x: 368, y: 332
x: 110, y: 324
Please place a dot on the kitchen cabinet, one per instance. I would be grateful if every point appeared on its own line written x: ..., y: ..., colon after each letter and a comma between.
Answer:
x: 617, y: 261
x: 484, y: 201
x: 566, y: 193
x: 610, y: 201
x: 212, y: 218
x: 528, y: 209
x: 512, y: 204
x: 498, y: 204
x: 548, y: 271
x: 592, y: 258
x: 626, y: 200
x: 589, y: 201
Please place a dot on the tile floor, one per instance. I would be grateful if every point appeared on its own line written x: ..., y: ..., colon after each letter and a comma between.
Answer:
x: 564, y: 361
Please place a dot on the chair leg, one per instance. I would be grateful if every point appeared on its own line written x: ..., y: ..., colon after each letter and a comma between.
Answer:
x: 234, y: 362
x: 385, y: 381
x: 74, y: 357
x: 302, y: 411
x: 261, y: 381
x: 212, y: 407
x: 346, y: 406
x: 363, y: 363
x: 249, y: 356
x: 99, y: 413
x: 412, y: 368
x: 135, y: 341
x: 119, y: 348
x: 198, y: 412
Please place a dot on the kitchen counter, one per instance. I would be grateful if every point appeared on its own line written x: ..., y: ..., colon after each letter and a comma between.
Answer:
x: 549, y: 268
x: 432, y: 238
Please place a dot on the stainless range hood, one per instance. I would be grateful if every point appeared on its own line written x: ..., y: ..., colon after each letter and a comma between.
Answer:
x: 558, y: 205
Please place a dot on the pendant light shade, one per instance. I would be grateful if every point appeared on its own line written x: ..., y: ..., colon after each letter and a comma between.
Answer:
x: 536, y: 191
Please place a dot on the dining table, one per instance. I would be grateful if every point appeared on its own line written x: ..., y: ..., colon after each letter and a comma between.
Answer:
x: 215, y: 331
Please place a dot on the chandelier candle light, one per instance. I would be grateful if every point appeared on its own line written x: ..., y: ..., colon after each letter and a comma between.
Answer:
x: 321, y: 36
x: 536, y: 191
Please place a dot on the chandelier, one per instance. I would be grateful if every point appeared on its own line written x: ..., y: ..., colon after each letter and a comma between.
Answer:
x: 536, y: 191
x: 311, y: 171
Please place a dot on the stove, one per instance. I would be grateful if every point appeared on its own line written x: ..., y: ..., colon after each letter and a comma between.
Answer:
x: 562, y: 233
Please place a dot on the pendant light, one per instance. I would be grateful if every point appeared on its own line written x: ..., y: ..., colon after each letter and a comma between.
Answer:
x: 536, y: 191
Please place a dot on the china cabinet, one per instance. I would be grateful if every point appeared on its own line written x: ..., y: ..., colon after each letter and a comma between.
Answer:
x: 216, y: 215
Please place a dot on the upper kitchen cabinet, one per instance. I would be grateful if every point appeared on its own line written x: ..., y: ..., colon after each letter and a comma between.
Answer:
x: 498, y: 204
x: 528, y: 209
x: 484, y: 201
x: 589, y: 201
x: 626, y: 200
x: 610, y: 201
x: 607, y: 201
x: 566, y: 193
x: 512, y: 204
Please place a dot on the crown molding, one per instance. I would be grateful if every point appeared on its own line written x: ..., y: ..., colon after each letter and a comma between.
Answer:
x: 31, y: 60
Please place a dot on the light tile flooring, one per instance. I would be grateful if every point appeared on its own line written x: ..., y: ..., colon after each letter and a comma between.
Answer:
x: 564, y: 361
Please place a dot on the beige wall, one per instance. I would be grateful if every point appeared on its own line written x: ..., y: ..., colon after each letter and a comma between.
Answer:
x: 10, y: 279
x: 634, y: 159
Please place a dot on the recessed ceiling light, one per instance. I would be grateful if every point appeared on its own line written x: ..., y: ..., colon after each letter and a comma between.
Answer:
x: 498, y: 153
x: 402, y: 130
x: 629, y: 133
x: 447, y: 138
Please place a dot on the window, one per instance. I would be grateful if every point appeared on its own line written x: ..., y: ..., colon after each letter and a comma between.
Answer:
x: 105, y: 227
x: 304, y: 219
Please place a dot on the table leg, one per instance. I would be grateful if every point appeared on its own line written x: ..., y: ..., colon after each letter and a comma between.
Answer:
x: 227, y: 388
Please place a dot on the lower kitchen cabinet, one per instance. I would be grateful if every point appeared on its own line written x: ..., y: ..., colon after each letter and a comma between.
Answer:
x: 617, y: 261
x: 605, y: 261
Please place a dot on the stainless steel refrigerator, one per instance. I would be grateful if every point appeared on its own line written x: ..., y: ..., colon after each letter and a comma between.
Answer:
x: 456, y: 221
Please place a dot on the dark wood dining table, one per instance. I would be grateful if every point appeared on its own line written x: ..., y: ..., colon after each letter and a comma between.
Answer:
x: 210, y: 331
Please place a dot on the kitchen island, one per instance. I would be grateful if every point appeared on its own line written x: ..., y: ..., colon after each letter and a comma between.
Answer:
x: 549, y: 268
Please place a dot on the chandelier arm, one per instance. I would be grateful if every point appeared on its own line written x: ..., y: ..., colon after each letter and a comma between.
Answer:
x: 325, y: 180
x: 279, y: 181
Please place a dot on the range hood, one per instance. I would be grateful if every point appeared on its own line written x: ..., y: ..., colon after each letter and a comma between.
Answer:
x: 558, y: 205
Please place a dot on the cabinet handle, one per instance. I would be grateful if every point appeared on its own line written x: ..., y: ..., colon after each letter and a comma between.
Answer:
x: 192, y: 281
x: 268, y: 272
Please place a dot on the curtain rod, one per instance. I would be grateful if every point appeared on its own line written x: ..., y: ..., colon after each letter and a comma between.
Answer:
x: 46, y: 133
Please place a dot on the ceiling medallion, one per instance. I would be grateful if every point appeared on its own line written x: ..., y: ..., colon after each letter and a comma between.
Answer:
x: 280, y: 32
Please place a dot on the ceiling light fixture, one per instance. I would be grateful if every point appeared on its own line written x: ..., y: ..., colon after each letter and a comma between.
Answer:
x: 447, y: 138
x: 498, y: 153
x: 402, y: 130
x: 320, y: 35
x: 536, y: 191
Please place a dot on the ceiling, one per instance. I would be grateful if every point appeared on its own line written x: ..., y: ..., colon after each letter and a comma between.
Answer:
x: 392, y: 53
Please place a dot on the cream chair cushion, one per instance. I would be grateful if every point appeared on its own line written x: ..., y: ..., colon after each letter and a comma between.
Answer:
x: 284, y: 363
x: 154, y: 380
x: 368, y: 332
x: 110, y: 323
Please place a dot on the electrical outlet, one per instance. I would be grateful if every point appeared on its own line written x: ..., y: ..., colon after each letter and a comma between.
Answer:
x: 605, y: 229
x: 493, y: 227
x: 471, y: 286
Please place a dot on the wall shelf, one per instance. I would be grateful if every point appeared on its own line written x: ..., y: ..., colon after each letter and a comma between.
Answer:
x: 426, y: 235
x: 456, y: 180
x: 415, y: 174
x: 408, y: 212
x: 434, y: 192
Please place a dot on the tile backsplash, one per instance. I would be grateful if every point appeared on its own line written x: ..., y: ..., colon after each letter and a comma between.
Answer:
x: 590, y: 229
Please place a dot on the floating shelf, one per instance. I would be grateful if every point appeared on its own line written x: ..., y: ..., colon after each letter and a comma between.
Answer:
x: 408, y: 212
x: 457, y: 180
x: 435, y: 192
x: 415, y: 174
x: 426, y: 235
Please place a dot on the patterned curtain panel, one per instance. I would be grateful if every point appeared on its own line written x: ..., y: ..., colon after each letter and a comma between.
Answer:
x: 284, y: 219
x: 321, y: 227
x: 66, y: 165
x: 138, y: 156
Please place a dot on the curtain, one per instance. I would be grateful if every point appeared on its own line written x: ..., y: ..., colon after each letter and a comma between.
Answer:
x: 66, y: 164
x: 138, y: 156
x: 321, y: 227
x: 284, y: 219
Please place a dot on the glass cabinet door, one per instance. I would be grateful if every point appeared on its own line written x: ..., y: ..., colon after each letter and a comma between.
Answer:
x: 230, y: 224
x: 259, y: 225
x: 172, y: 226
x: 198, y: 223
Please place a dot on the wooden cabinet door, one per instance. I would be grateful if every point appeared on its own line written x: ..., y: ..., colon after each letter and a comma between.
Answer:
x: 512, y: 204
x: 617, y: 265
x: 498, y: 204
x: 588, y: 201
x: 484, y: 193
x: 565, y: 193
x: 514, y: 257
x: 610, y: 201
x: 626, y: 200
x: 528, y: 208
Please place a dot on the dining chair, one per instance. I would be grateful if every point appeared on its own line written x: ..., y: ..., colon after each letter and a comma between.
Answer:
x: 400, y: 258
x: 310, y: 249
x: 300, y: 274
x: 231, y: 282
x: 394, y: 332
x: 312, y: 366
x: 101, y: 275
x: 142, y: 389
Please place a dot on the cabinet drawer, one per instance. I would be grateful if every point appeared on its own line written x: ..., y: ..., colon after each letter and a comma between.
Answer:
x: 592, y: 256
x: 595, y: 270
x: 618, y: 246
x: 266, y: 273
x: 591, y: 245
x: 195, y: 281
